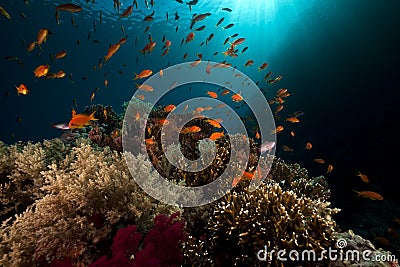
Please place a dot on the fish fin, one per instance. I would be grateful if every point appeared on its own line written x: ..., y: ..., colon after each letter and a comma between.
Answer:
x: 73, y: 113
x: 91, y: 116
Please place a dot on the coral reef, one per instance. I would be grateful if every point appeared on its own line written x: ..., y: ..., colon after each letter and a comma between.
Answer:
x: 357, y: 243
x: 75, y: 201
x: 80, y: 201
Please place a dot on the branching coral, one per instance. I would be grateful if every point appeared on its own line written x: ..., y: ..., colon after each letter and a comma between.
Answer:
x: 85, y: 197
x: 243, y: 222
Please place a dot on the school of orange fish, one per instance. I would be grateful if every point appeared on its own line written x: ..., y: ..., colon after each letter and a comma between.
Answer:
x: 82, y: 120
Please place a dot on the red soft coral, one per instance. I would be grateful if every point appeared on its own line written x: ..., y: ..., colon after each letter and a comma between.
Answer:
x: 161, y: 246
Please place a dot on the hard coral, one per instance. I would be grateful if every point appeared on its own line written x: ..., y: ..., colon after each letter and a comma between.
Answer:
x: 244, y: 222
x: 80, y: 197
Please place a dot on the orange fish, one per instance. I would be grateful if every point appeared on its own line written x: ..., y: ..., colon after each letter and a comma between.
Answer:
x: 69, y: 7
x: 189, y: 37
x: 292, y: 134
x: 285, y: 95
x: 42, y: 36
x: 163, y: 122
x: 212, y: 94
x: 216, y: 135
x: 237, y: 97
x: 148, y: 48
x: 31, y: 46
x: 308, y: 146
x: 292, y: 120
x: 41, y: 70
x: 111, y: 51
x: 278, y: 108
x: 192, y: 129
x: 141, y: 97
x: 161, y: 73
x: 149, y: 141
x: 363, y: 177
x: 214, y: 123
x: 122, y: 40
x: 60, y: 74
x: 80, y: 120
x: 248, y: 175
x: 257, y: 135
x: 281, y: 91
x: 220, y: 105
x: 144, y: 87
x: 22, y: 89
x: 369, y: 194
x: 137, y: 116
x: 61, y: 54
x: 127, y: 12
x: 249, y: 63
x: 319, y: 161
x: 225, y: 92
x: 106, y: 82
x: 277, y: 130
x: 263, y: 66
x: 169, y: 108
x: 143, y: 74
x: 199, y: 110
x: 329, y: 169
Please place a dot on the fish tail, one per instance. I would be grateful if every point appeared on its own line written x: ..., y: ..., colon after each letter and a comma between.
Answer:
x: 358, y: 192
x: 92, y: 116
x: 136, y: 77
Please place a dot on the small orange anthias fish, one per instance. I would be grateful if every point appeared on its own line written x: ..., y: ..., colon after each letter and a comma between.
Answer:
x: 292, y: 120
x: 212, y: 94
x: 61, y: 54
x: 143, y: 74
x: 363, y: 177
x: 308, y: 146
x: 144, y: 87
x: 169, y: 108
x: 192, y: 129
x: 329, y: 169
x: 214, y: 123
x: 111, y: 51
x: 189, y: 37
x: 148, y: 47
x: 41, y: 70
x: 216, y: 135
x: 278, y: 129
x: 369, y: 194
x: 80, y: 120
x: 237, y: 97
x: 42, y: 36
x: 22, y: 89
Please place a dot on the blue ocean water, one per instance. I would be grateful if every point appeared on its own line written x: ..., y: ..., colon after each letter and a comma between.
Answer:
x: 339, y: 60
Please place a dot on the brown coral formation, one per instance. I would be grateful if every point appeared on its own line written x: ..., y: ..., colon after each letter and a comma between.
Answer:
x: 243, y: 222
x: 80, y: 201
